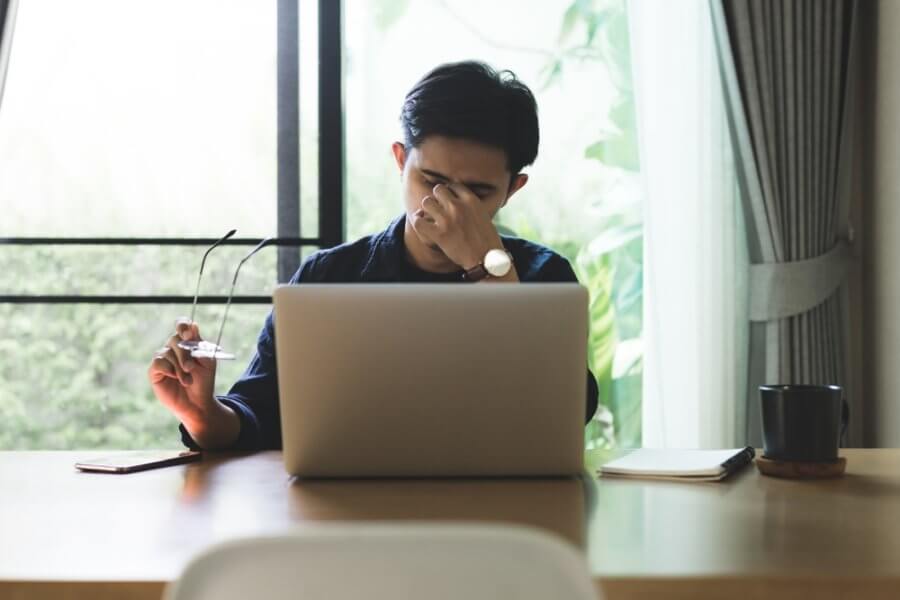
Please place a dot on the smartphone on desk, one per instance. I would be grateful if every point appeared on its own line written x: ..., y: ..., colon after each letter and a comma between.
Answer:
x: 129, y: 462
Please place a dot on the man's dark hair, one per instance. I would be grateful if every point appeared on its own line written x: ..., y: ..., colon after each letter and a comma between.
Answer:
x: 472, y: 101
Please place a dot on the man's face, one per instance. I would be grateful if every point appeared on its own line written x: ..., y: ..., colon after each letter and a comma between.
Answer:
x: 480, y: 168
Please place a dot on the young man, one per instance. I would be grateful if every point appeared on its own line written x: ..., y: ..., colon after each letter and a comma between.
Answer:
x: 468, y: 131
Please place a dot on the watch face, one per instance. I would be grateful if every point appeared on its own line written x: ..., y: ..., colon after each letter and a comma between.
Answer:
x: 497, y: 263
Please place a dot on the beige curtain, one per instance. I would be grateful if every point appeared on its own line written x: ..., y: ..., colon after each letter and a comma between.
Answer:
x: 785, y: 68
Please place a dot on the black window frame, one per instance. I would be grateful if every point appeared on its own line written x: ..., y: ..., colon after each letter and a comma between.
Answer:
x: 331, y: 223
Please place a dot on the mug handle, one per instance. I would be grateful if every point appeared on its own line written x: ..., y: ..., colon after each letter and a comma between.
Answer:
x: 845, y: 421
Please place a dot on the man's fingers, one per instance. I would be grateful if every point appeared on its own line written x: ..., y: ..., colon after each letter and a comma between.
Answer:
x: 461, y: 192
x: 421, y: 223
x: 182, y: 326
x: 183, y: 376
x: 182, y: 356
x: 160, y: 370
x: 165, y: 366
x: 445, y: 194
x: 434, y: 212
x: 187, y: 330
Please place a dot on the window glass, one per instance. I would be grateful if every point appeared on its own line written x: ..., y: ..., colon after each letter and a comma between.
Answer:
x: 74, y: 375
x: 140, y: 119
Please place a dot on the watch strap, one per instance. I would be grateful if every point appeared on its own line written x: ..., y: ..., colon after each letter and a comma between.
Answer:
x: 476, y: 273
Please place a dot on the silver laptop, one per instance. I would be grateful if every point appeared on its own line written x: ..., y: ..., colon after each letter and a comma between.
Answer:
x: 436, y: 380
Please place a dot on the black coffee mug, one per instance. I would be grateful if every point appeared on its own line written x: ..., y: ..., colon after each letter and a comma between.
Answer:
x: 801, y: 422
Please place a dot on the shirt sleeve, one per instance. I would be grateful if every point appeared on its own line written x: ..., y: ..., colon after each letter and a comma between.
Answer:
x: 556, y: 269
x: 254, y: 396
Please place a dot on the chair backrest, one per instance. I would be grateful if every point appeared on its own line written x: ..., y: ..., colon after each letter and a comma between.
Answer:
x: 396, y: 562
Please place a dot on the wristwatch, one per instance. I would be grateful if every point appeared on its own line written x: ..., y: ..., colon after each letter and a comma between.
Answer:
x: 497, y: 263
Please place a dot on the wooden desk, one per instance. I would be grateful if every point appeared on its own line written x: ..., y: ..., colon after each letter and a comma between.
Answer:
x: 66, y: 534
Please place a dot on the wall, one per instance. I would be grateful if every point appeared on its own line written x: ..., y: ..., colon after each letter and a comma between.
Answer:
x: 880, y: 190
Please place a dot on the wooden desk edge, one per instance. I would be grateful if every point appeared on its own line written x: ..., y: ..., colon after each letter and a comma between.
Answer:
x: 612, y: 588
x: 747, y: 587
x: 76, y: 590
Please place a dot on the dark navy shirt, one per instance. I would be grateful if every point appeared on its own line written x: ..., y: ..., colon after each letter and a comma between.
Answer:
x: 378, y: 258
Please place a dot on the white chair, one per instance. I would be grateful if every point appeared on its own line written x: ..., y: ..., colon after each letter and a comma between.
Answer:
x: 390, y: 562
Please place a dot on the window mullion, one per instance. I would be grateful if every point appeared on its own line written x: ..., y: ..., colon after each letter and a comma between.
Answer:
x: 288, y: 116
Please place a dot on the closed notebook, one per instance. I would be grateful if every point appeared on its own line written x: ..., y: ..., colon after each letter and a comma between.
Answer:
x: 679, y: 465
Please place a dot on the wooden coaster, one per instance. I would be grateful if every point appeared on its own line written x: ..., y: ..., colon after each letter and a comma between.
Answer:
x: 801, y: 470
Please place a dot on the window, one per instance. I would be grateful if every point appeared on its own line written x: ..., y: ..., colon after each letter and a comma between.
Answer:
x: 136, y: 135
x: 582, y: 198
x: 120, y: 122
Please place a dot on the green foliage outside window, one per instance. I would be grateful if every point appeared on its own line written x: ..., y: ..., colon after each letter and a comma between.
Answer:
x: 74, y: 375
x: 610, y: 263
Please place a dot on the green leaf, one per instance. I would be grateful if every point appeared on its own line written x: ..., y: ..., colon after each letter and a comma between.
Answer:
x: 551, y: 73
x: 623, y: 114
x: 618, y: 152
x: 594, y: 23
x: 570, y: 18
x: 613, y: 238
x: 626, y: 408
x: 596, y: 275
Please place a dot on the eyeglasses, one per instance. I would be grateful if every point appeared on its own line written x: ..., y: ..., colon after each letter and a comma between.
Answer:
x: 204, y: 348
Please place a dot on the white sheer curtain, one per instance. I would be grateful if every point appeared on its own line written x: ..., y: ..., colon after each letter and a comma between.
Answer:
x: 696, y: 265
x: 7, y: 21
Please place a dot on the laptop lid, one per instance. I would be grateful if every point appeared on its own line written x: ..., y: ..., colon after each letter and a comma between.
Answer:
x: 432, y: 379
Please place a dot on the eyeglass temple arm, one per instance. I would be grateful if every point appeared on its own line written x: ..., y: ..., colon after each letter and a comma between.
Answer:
x: 258, y: 247
x: 200, y: 274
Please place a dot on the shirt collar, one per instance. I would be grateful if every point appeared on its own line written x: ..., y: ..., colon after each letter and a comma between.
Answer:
x: 387, y: 252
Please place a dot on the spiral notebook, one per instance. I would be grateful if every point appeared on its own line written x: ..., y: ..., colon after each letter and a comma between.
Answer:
x: 679, y: 465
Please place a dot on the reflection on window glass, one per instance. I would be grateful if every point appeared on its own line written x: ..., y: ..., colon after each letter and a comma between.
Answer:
x: 140, y: 119
x: 582, y: 198
x: 78, y: 379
